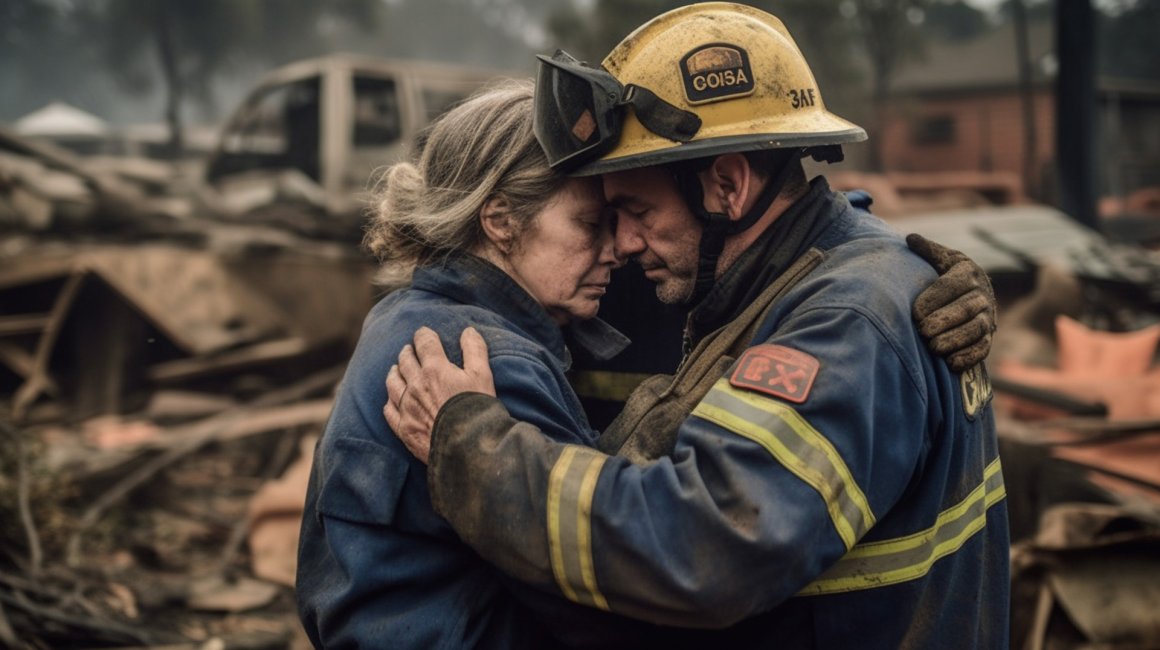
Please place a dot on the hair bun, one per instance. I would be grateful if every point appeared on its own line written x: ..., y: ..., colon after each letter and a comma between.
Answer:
x: 398, y: 193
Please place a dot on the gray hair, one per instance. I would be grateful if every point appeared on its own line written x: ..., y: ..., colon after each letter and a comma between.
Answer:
x: 483, y: 148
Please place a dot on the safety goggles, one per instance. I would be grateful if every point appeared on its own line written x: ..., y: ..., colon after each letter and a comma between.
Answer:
x: 579, y: 112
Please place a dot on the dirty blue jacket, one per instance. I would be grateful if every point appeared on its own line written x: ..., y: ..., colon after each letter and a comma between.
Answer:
x: 838, y: 487
x: 377, y: 567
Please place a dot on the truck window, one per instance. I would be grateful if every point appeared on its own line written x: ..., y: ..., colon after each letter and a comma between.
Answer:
x: 278, y: 129
x: 377, y: 122
x: 376, y: 130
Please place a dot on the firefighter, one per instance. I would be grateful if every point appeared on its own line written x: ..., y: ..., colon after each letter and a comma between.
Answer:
x: 836, y: 485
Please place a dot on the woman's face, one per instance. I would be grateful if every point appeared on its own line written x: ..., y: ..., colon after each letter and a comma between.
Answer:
x: 566, y: 256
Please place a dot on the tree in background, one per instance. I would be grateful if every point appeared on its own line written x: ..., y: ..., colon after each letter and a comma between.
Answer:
x: 890, y: 34
x: 192, y: 42
x: 1036, y: 10
x: 187, y: 41
x: 287, y: 31
x: 1128, y: 38
x: 954, y: 21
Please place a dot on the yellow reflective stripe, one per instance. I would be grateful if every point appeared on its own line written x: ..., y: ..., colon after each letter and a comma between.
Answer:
x: 607, y: 385
x: 897, y: 545
x: 571, y: 489
x: 584, y: 532
x: 887, y: 562
x: 800, y: 448
x: 555, y: 483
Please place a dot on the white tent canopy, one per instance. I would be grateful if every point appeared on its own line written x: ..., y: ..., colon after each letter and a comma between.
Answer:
x: 61, y: 120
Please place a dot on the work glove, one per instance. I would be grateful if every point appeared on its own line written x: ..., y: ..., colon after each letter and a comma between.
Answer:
x: 957, y: 314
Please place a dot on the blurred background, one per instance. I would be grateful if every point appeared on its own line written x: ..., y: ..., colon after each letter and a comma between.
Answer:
x: 964, y: 85
x: 182, y: 191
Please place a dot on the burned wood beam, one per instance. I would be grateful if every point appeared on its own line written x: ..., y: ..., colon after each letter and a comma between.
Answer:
x: 23, y: 324
x: 17, y: 359
x: 35, y: 554
x: 7, y: 634
x: 185, y: 369
x: 233, y: 423
x: 40, y: 380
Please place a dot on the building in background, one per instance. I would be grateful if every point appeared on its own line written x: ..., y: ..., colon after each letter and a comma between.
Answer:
x: 961, y: 108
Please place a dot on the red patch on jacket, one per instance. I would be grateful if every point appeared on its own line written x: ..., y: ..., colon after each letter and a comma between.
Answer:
x: 776, y: 370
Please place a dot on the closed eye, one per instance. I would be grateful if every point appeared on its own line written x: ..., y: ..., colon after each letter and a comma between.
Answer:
x: 632, y: 213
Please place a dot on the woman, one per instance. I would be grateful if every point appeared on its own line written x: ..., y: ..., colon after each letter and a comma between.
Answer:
x: 488, y: 237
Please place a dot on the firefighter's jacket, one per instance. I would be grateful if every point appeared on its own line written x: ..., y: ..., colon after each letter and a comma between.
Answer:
x: 836, y: 487
x: 376, y: 566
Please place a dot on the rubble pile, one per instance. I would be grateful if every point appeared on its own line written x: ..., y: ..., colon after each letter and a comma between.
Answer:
x: 132, y: 530
x: 163, y: 376
x: 1078, y: 414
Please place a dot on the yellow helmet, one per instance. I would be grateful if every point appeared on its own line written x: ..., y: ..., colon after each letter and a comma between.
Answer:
x: 730, y: 70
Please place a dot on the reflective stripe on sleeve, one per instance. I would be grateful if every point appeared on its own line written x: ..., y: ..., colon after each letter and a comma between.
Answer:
x: 571, y: 486
x: 890, y: 561
x: 798, y: 447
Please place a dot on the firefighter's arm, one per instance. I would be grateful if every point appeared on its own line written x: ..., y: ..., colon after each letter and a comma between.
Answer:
x: 433, y: 378
x: 761, y: 495
x: 958, y: 312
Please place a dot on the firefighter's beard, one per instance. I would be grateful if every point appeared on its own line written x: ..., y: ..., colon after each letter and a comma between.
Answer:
x: 675, y: 291
x: 675, y: 278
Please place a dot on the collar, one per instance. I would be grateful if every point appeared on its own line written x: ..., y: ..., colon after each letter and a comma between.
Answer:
x: 597, y: 338
x: 472, y: 280
x: 768, y: 257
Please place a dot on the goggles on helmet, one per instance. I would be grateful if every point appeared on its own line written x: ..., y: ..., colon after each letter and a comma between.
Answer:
x: 579, y: 111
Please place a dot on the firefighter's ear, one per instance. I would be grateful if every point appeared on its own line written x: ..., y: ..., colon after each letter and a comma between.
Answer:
x: 726, y: 183
x: 499, y: 227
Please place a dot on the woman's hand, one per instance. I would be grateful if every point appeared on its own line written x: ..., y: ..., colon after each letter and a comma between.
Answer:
x: 424, y: 379
x: 957, y: 314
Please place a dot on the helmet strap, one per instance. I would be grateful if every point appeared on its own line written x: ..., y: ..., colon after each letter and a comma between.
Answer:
x: 659, y: 116
x: 716, y: 226
x: 714, y: 230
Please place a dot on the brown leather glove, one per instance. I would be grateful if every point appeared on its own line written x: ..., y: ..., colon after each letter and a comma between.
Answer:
x: 957, y: 313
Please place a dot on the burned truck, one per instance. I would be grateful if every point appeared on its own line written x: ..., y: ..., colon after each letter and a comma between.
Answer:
x: 116, y: 285
x: 313, y: 133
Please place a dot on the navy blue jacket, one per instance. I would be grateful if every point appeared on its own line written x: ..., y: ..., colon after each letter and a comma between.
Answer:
x: 377, y: 567
x: 839, y: 487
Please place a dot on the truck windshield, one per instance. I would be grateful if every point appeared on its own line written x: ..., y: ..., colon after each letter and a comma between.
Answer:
x: 278, y: 129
